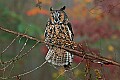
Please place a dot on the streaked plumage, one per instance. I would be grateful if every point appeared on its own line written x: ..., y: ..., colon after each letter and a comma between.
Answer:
x: 58, y: 31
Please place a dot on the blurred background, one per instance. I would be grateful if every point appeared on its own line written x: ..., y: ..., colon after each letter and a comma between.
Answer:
x: 94, y: 22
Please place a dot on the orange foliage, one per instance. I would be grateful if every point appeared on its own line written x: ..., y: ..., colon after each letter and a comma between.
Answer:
x: 78, y: 11
x: 88, y: 1
x: 36, y: 11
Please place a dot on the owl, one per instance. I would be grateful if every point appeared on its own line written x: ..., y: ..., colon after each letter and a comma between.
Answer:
x: 59, y: 32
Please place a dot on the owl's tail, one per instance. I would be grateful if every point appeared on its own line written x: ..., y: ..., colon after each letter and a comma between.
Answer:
x: 59, y: 57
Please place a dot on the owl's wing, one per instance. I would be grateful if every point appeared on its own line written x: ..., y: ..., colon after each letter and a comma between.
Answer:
x: 46, y: 30
x: 71, y: 31
x: 45, y: 33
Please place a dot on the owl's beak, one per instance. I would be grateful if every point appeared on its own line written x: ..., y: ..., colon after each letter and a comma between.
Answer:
x: 56, y: 20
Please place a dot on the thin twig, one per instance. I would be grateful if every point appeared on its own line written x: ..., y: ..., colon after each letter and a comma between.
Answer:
x: 30, y: 70
x: 71, y: 68
x: 18, y: 57
x: 92, y: 58
x: 9, y: 45
x: 25, y: 73
x: 78, y: 63
x: 20, y: 34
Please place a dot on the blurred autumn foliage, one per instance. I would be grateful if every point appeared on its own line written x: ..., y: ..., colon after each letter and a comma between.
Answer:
x: 95, y: 23
x: 36, y: 11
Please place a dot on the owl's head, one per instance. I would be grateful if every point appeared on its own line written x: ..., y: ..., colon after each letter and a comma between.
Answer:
x: 58, y: 16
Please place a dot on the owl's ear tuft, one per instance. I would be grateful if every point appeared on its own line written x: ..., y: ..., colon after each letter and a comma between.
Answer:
x: 51, y: 9
x: 63, y: 8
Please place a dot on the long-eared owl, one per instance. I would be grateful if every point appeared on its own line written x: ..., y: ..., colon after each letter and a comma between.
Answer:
x: 58, y: 31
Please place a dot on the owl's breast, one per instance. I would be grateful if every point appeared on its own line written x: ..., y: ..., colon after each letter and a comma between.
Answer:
x: 58, y: 32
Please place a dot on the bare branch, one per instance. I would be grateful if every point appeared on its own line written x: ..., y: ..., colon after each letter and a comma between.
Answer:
x: 17, y: 57
x: 20, y: 34
x: 80, y: 53
x: 9, y: 45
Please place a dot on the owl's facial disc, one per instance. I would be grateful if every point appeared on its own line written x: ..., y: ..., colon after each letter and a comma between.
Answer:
x: 56, y: 17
